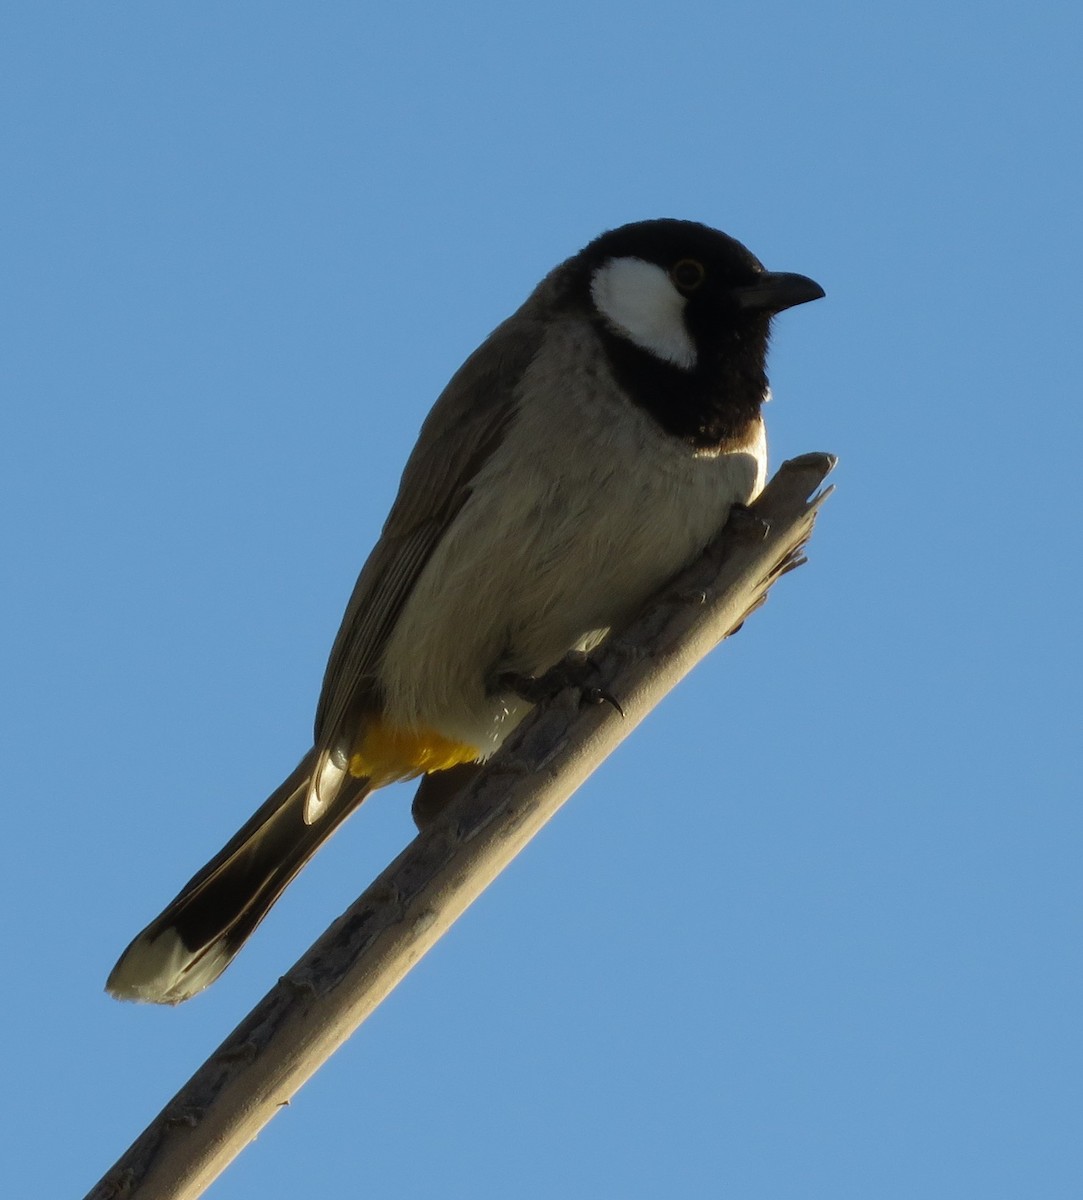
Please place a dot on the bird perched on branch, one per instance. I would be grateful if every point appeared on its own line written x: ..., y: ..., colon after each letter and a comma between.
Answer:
x: 590, y: 448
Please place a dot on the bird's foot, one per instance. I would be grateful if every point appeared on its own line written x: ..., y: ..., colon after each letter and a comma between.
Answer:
x: 436, y: 791
x: 573, y: 671
x: 744, y: 522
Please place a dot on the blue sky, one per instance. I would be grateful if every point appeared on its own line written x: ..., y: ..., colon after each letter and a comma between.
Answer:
x: 815, y: 929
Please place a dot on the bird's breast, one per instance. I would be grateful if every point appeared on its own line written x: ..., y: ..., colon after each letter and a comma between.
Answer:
x: 582, y: 512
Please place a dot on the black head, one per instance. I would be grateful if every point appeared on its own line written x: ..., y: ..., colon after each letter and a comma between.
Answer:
x: 684, y: 312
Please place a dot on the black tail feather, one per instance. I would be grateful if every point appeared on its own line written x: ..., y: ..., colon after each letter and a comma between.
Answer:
x: 193, y: 940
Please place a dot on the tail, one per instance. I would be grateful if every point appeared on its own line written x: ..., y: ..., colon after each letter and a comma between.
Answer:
x: 193, y: 941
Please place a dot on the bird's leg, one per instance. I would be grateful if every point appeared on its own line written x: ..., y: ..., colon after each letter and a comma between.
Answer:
x: 573, y: 671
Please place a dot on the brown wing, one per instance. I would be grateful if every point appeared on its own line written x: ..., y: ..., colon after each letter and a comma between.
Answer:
x: 462, y: 431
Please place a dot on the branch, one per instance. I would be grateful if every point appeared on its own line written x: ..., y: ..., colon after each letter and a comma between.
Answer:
x: 370, y: 948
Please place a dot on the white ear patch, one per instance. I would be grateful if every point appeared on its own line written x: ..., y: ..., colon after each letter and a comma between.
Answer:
x: 638, y: 299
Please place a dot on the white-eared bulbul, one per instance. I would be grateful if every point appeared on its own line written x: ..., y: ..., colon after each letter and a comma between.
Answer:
x: 590, y: 448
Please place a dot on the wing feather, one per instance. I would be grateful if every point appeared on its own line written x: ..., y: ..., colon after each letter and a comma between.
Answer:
x: 464, y: 428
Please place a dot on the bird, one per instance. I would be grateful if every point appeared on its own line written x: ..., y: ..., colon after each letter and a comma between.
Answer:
x: 590, y: 448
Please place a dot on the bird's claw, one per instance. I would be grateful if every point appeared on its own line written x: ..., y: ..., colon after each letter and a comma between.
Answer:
x: 597, y: 695
x: 571, y: 672
x: 746, y: 524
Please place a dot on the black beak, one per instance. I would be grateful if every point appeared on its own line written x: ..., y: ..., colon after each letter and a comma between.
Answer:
x: 775, y: 290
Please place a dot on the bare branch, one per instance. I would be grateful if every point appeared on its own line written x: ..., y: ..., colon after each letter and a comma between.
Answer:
x: 369, y: 949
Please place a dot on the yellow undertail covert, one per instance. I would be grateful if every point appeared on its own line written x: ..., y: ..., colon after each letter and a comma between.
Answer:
x: 385, y: 752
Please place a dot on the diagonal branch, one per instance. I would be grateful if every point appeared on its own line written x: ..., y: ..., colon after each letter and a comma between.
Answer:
x: 370, y: 948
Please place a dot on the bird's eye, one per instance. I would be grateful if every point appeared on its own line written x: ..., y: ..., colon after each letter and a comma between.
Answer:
x: 688, y: 274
